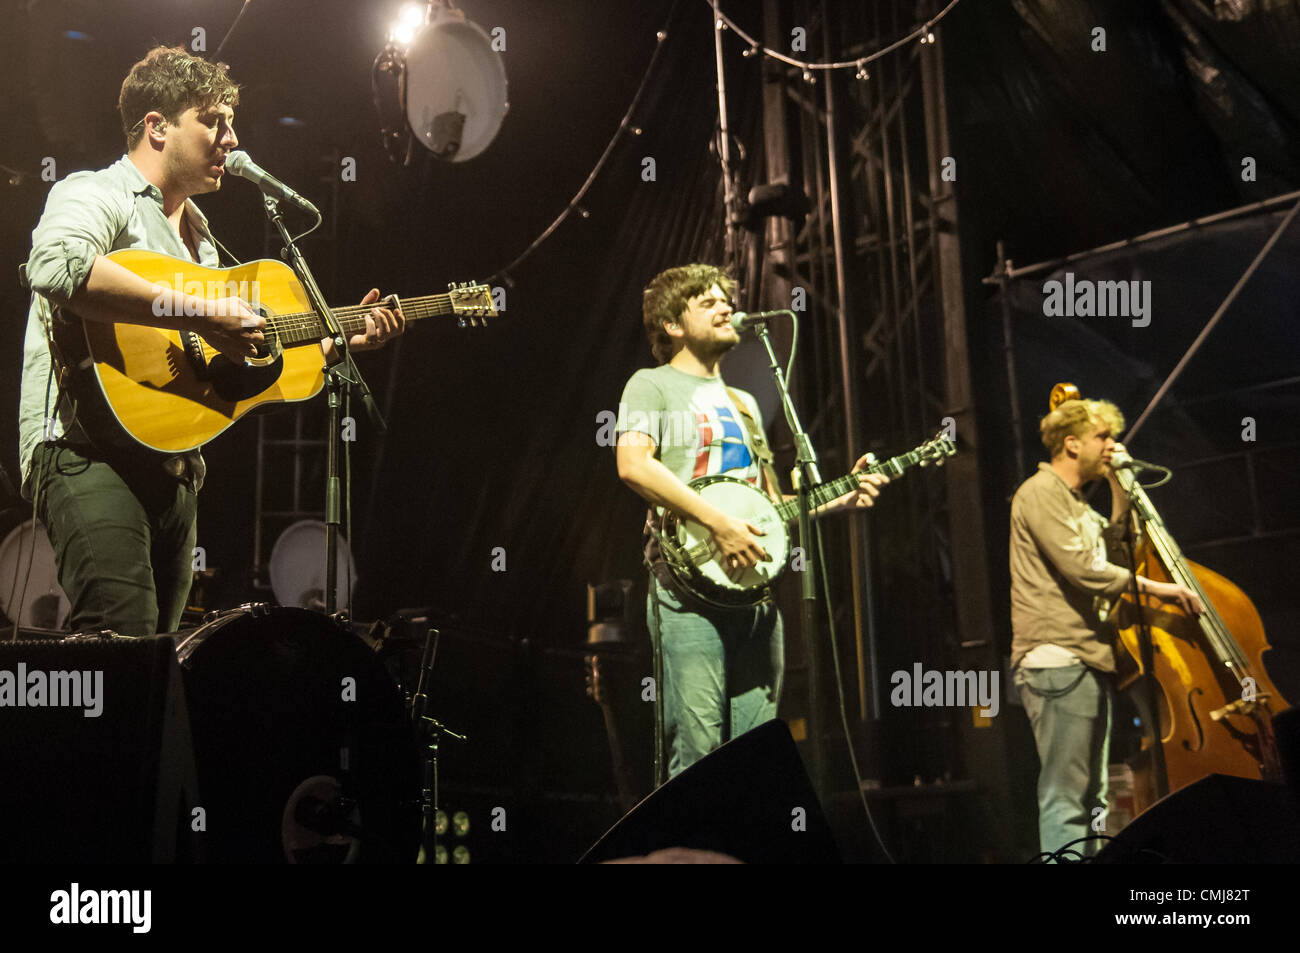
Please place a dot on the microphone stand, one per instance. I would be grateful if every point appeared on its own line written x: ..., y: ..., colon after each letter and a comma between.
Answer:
x: 809, y: 477
x: 340, y: 370
x: 1146, y: 648
x: 428, y: 735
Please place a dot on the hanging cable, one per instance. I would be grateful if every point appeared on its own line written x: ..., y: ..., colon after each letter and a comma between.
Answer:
x: 624, y: 126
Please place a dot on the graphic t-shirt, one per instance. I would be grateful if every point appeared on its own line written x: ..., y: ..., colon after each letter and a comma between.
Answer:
x: 693, y: 420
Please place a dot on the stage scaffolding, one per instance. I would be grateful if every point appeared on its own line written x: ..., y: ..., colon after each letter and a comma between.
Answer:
x: 884, y: 366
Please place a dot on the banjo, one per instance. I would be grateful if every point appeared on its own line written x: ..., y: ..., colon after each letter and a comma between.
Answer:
x: 693, y: 559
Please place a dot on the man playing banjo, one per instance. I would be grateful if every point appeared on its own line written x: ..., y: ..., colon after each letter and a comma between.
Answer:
x: 722, y: 667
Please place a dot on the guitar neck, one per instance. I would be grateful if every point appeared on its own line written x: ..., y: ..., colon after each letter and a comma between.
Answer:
x: 306, y: 327
x: 821, y: 495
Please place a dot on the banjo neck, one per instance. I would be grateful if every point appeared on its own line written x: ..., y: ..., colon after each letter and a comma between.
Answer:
x: 826, y: 492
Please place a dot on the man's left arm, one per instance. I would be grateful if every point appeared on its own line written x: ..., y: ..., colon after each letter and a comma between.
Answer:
x: 381, y: 325
x: 869, y: 485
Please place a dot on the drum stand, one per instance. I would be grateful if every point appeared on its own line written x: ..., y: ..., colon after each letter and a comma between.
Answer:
x: 428, y: 734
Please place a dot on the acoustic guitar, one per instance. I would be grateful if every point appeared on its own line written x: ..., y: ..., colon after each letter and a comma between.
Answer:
x: 172, y: 391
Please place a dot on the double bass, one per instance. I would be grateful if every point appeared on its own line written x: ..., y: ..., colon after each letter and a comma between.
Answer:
x: 1214, y: 701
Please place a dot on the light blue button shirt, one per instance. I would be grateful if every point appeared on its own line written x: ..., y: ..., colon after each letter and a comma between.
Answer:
x: 88, y: 214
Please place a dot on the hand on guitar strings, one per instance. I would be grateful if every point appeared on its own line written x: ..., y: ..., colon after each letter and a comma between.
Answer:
x: 737, y: 548
x: 869, y: 485
x: 1186, y: 598
x: 381, y: 324
x: 232, y: 327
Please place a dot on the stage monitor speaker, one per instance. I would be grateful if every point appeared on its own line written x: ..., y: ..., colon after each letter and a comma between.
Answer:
x: 95, y: 748
x: 750, y: 799
x: 1217, y: 820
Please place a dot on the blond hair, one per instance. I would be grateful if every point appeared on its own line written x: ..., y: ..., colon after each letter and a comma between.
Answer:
x: 1074, y: 418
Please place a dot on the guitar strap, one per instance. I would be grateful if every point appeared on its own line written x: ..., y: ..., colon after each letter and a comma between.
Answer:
x: 757, y: 442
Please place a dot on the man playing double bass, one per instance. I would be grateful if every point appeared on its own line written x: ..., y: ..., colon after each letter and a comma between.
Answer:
x: 1064, y: 581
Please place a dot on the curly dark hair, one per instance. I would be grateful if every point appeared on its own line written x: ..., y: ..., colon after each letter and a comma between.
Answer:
x: 170, y: 80
x: 665, y: 298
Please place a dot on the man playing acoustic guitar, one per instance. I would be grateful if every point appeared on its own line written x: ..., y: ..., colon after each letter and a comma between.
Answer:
x: 121, y: 518
x: 722, y: 667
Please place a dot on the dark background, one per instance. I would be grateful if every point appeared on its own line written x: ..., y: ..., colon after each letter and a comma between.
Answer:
x: 492, y: 431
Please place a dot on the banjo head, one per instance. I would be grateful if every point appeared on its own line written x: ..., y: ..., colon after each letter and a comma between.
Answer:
x: 700, y: 568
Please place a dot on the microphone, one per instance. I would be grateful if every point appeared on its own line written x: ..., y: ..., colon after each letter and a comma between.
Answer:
x: 743, y: 322
x: 241, y: 165
x: 1122, y: 461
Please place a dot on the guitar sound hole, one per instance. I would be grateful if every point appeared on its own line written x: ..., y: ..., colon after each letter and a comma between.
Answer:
x: 234, y: 382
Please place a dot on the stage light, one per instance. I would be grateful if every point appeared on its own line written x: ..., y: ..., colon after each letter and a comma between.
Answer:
x: 448, y: 84
x: 460, y: 823
x: 413, y: 14
x: 460, y: 855
x: 409, y: 20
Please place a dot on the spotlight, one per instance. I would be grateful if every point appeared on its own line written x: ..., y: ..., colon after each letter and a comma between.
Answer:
x: 411, y: 17
x: 447, y: 87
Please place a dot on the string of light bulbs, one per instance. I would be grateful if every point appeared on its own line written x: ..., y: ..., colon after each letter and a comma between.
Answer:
x: 923, y: 32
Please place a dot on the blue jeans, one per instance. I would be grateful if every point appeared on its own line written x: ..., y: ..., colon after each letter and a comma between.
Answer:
x: 1070, y: 712
x: 722, y: 673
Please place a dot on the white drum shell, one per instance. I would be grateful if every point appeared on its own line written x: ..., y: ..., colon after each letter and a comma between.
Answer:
x: 44, y: 605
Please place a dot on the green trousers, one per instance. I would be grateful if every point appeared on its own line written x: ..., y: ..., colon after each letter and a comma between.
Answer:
x: 123, y: 535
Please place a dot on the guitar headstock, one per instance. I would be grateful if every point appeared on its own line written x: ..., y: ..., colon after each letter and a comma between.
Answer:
x: 471, y: 303
x: 936, y: 450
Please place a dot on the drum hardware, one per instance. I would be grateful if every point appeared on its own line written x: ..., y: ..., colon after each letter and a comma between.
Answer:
x: 321, y: 824
x: 303, y: 749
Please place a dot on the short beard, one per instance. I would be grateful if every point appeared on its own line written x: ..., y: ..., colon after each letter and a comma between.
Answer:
x: 720, y: 350
x: 1096, y: 472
